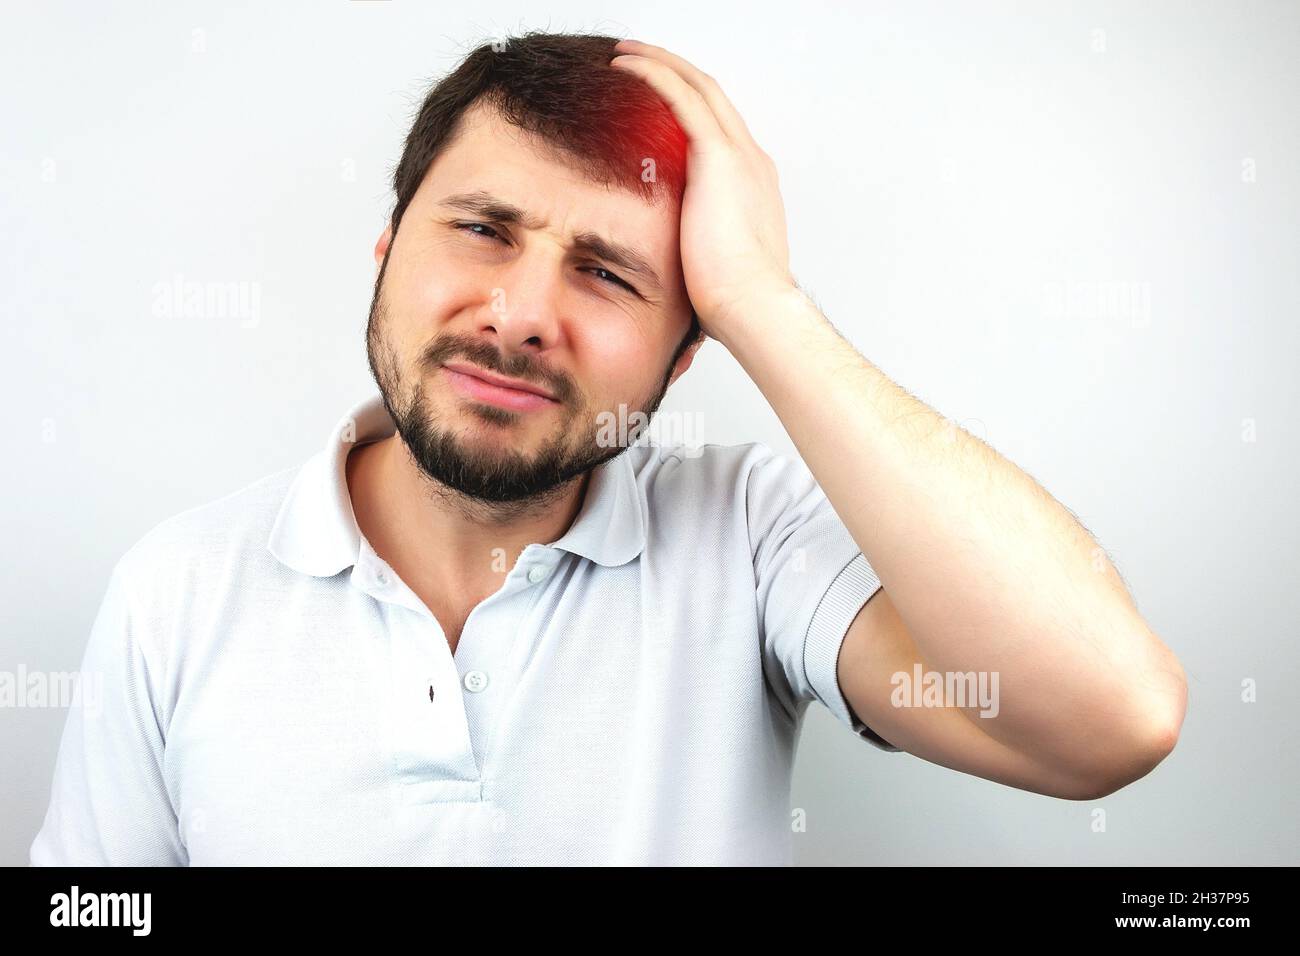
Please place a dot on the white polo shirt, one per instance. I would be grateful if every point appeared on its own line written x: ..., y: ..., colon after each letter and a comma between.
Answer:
x: 273, y: 693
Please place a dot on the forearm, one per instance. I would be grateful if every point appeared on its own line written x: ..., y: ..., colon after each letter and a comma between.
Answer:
x: 987, y: 570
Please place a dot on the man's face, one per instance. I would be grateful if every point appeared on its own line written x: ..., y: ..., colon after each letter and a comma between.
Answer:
x: 516, y: 300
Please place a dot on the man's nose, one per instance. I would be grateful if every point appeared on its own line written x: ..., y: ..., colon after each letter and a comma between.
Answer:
x: 525, y: 309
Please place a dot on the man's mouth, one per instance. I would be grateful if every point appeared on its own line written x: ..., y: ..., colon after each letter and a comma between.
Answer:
x: 483, y: 386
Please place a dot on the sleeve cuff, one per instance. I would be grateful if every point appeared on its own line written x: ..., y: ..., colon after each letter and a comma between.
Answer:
x: 850, y: 590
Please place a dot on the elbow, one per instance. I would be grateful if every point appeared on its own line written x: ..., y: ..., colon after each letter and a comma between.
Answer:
x: 1138, y: 751
x: 1138, y: 761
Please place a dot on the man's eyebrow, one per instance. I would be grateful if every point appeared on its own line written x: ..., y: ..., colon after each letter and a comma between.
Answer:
x: 486, y: 206
x: 622, y: 257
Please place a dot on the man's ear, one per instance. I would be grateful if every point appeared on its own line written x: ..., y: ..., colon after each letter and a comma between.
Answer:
x: 685, y: 359
x: 381, y: 247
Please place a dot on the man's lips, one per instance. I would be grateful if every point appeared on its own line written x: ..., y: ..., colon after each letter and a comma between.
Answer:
x: 502, y: 381
x: 484, y: 386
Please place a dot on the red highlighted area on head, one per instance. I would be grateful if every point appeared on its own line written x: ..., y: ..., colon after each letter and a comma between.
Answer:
x: 608, y: 124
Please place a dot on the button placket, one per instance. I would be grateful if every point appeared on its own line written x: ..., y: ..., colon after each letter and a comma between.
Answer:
x: 440, y: 739
x: 428, y: 728
x: 497, y: 650
x: 431, y: 739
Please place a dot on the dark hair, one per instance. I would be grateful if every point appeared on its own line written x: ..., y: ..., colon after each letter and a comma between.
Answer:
x: 561, y: 88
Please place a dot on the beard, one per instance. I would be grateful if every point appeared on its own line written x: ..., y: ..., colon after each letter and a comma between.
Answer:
x: 478, y: 473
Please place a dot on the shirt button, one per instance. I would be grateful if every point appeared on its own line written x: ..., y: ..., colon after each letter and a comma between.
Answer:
x: 382, y: 578
x: 475, y: 681
x: 536, y: 573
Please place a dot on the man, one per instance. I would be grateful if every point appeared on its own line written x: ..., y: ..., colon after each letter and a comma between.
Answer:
x: 475, y: 629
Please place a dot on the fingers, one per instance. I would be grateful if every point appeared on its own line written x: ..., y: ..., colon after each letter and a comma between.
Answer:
x: 672, y: 76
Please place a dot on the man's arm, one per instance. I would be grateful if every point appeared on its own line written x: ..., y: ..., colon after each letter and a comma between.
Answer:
x: 109, y: 804
x: 982, y: 571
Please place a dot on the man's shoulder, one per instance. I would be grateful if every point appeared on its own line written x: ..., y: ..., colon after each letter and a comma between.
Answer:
x: 711, y: 468
x: 238, y: 521
x: 707, y: 462
x: 714, y: 489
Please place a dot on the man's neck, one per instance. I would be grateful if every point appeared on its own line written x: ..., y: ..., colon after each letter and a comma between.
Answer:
x: 437, y: 541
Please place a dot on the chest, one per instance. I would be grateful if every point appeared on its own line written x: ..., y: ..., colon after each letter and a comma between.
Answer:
x: 330, y: 725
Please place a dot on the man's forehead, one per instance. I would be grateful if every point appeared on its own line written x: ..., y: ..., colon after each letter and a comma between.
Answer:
x: 487, y: 152
x: 500, y: 173
x: 516, y: 170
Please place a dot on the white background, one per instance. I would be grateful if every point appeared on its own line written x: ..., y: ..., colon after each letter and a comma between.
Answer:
x: 1071, y: 228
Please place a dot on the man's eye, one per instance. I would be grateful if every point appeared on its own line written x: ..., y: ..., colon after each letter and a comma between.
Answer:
x: 470, y: 226
x: 612, y: 278
x: 491, y: 233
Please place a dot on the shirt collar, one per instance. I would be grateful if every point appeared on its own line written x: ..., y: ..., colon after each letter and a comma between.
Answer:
x: 316, y: 531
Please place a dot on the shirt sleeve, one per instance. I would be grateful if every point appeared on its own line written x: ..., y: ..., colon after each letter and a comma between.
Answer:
x: 109, y: 805
x: 812, y: 580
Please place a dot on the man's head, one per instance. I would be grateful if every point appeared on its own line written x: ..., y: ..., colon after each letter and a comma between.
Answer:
x: 535, y: 238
